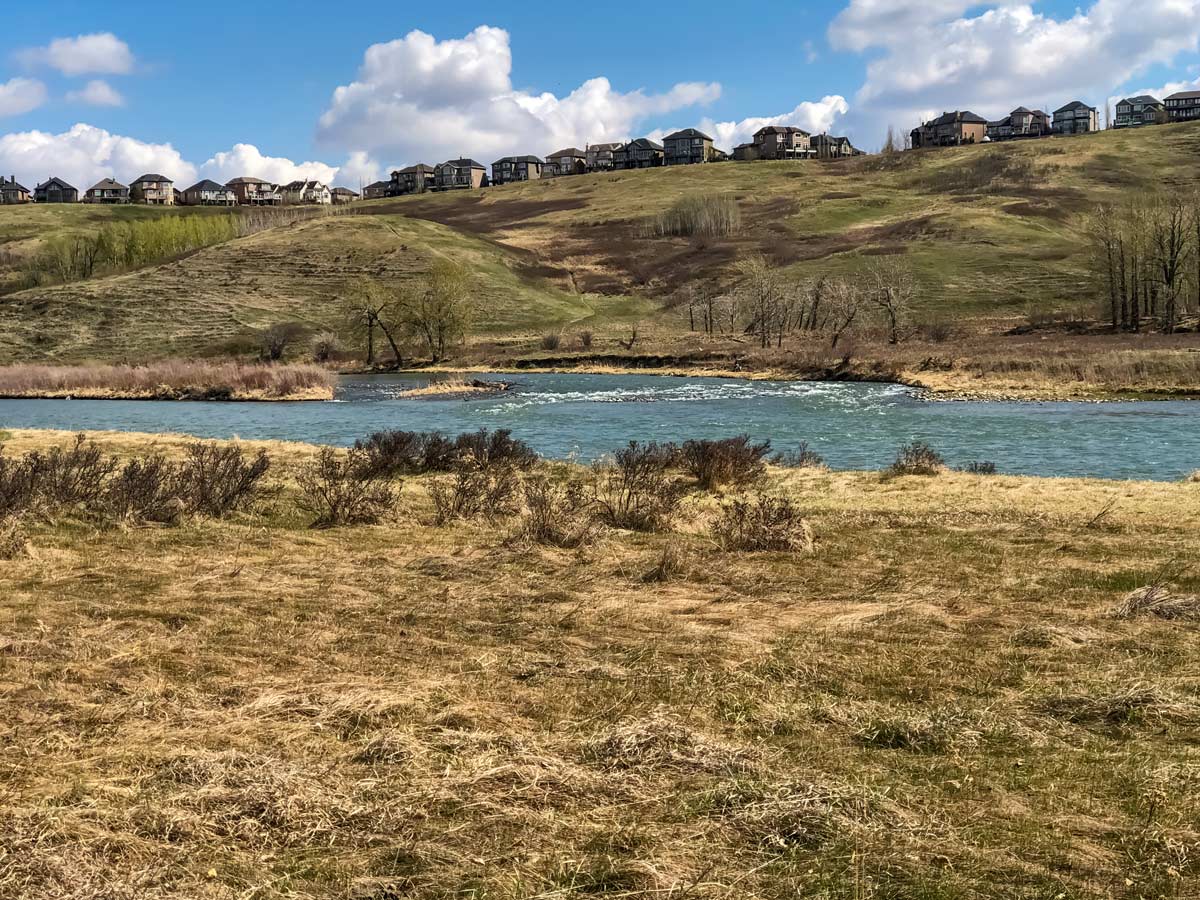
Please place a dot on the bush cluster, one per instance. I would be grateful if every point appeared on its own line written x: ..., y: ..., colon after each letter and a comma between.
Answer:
x: 343, y: 489
x: 917, y: 458
x: 389, y: 453
x: 733, y: 460
x: 634, y: 490
x: 762, y: 523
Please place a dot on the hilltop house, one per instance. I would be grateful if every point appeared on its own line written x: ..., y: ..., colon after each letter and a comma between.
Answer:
x: 950, y: 129
x: 1133, y: 112
x: 55, y: 191
x: 1076, y: 118
x: 413, y: 179
x: 1184, y: 106
x: 782, y: 142
x: 341, y: 196
x: 600, y: 156
x: 516, y: 168
x: 153, y: 190
x: 377, y: 191
x: 641, y: 153
x: 12, y: 192
x: 209, y: 193
x: 107, y: 190
x: 255, y: 192
x: 459, y: 174
x: 306, y: 192
x: 826, y: 146
x: 745, y: 152
x: 1020, y: 123
x: 571, y: 161
x: 687, y: 147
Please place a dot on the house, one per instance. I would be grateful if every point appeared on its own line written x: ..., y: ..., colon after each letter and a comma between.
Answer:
x: 107, y: 190
x: 1184, y: 106
x: 341, y: 196
x: 209, y: 193
x: 306, y: 192
x: 516, y: 168
x: 782, y: 142
x: 12, y: 192
x: 687, y: 147
x: 642, y: 153
x: 600, y: 156
x: 1020, y: 123
x: 55, y: 191
x: 745, y: 152
x: 571, y: 161
x: 152, y: 190
x: 413, y: 180
x: 951, y: 129
x: 1133, y: 112
x: 826, y: 146
x: 378, y: 190
x: 459, y: 174
x: 255, y: 192
x: 1076, y: 118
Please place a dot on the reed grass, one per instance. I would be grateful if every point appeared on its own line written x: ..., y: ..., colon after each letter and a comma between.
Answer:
x: 698, y: 215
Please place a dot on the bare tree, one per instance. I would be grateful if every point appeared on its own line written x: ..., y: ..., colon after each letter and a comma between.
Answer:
x: 1170, y: 233
x: 890, y: 290
x: 274, y: 341
x: 437, y: 310
x: 367, y: 307
x: 844, y: 302
x: 762, y: 296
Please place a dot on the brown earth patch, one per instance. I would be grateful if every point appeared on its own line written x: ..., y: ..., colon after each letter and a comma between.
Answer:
x: 478, y: 216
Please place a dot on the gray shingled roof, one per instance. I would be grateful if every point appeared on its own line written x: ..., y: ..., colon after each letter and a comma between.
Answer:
x: 108, y: 184
x: 15, y: 184
x: 644, y: 143
x: 419, y: 167
x: 464, y: 163
x: 1141, y: 98
x: 1185, y: 95
x: 1072, y: 106
x: 687, y: 133
x: 519, y: 159
x: 959, y: 116
x: 570, y: 151
x: 206, y: 185
x: 151, y: 178
x: 56, y: 180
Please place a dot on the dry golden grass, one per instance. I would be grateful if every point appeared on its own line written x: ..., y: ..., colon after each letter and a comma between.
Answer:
x: 935, y: 703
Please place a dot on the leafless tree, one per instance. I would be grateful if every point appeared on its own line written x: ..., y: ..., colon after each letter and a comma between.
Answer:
x: 1170, y: 233
x: 437, y: 309
x: 367, y: 307
x: 844, y: 302
x: 890, y: 290
x: 274, y: 341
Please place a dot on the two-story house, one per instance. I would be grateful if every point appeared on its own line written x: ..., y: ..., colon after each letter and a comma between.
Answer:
x: 516, y: 168
x: 827, y: 146
x: 782, y: 142
x: 571, y: 161
x: 255, y: 192
x: 641, y: 153
x: 950, y: 129
x: 342, y: 196
x: 209, y: 193
x: 312, y: 193
x: 1020, y: 123
x: 107, y: 190
x: 600, y: 156
x: 1076, y: 118
x: 13, y: 192
x: 55, y: 190
x: 687, y: 147
x: 378, y: 190
x: 459, y: 174
x: 1133, y: 112
x: 152, y: 190
x: 413, y: 179
x: 1183, y: 106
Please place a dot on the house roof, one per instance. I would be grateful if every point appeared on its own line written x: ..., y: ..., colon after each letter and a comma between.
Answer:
x: 463, y: 164
x: 1185, y: 95
x: 780, y: 129
x: 301, y: 185
x: 342, y: 192
x: 570, y: 151
x: 206, y: 185
x: 595, y: 147
x: 964, y: 115
x: 15, y: 184
x: 687, y: 133
x: 1141, y: 98
x: 1072, y: 106
x: 108, y: 184
x: 644, y: 144
x: 516, y: 159
x: 244, y: 180
x: 419, y: 167
x: 151, y: 178
x: 377, y: 184
x: 59, y: 182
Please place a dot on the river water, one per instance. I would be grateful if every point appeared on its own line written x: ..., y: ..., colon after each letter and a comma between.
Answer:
x: 854, y: 426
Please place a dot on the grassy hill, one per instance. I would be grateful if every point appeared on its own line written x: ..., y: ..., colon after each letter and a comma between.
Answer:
x: 990, y: 231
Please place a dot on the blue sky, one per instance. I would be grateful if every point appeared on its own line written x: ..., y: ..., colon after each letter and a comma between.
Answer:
x: 209, y: 78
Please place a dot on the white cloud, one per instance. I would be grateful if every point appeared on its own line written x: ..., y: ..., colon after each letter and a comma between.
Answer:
x: 85, y: 154
x: 814, y: 117
x: 418, y: 97
x: 934, y: 56
x: 248, y: 161
x: 102, y: 54
x: 21, y: 95
x: 359, y: 169
x: 97, y: 93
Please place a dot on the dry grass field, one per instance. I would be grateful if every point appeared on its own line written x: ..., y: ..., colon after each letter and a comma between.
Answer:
x: 938, y: 701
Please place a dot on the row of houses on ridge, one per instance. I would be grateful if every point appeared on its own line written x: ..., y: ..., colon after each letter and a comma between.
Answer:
x: 158, y: 190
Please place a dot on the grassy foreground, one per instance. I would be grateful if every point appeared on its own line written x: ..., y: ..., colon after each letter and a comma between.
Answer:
x: 936, y: 703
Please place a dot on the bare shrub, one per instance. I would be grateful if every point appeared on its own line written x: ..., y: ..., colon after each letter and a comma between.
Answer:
x: 556, y: 514
x: 475, y: 491
x: 217, y: 479
x: 146, y: 490
x: 671, y: 566
x: 72, y: 476
x: 274, y: 341
x: 701, y: 215
x: 1157, y: 601
x: 803, y: 457
x: 489, y: 448
x: 634, y: 490
x: 339, y: 489
x: 14, y: 542
x: 917, y: 458
x: 728, y: 461
x: 388, y: 453
x: 762, y: 523
x: 325, y: 346
x: 936, y: 331
x: 980, y: 467
x: 18, y: 485
x: 585, y: 340
x: 551, y: 341
x: 393, y: 452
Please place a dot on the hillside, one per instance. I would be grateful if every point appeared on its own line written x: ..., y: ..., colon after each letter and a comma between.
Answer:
x: 990, y: 232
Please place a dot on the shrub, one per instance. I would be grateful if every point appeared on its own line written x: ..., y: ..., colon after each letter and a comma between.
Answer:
x: 936, y: 331
x: 762, y: 523
x: 801, y: 458
x: 556, y: 514
x: 585, y: 340
x: 917, y: 458
x: 339, y: 489
x: 475, y: 491
x: 729, y: 461
x: 18, y: 485
x: 980, y: 467
x: 325, y: 346
x: 216, y: 479
x: 146, y: 490
x: 489, y: 448
x: 72, y: 476
x: 702, y: 215
x: 14, y: 542
x: 671, y: 566
x: 394, y: 452
x: 635, y: 490
x: 387, y: 453
x: 551, y: 341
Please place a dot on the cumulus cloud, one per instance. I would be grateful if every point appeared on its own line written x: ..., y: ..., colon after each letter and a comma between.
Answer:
x: 421, y: 97
x: 101, y: 54
x: 814, y: 117
x: 97, y: 93
x: 936, y: 55
x: 247, y: 160
x: 21, y: 95
x: 85, y: 154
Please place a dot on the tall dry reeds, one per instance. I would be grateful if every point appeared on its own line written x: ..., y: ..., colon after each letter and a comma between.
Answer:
x: 172, y: 379
x: 697, y: 215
